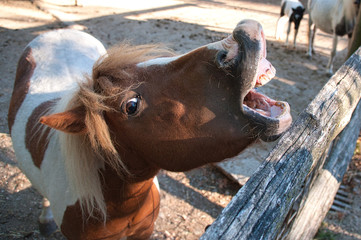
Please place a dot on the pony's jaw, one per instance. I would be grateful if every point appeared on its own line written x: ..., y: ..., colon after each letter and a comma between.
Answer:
x: 248, y: 42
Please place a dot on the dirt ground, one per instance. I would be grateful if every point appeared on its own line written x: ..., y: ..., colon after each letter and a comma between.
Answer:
x: 192, y: 200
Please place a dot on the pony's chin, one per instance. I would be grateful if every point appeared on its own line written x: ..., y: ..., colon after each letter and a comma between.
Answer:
x: 271, y: 117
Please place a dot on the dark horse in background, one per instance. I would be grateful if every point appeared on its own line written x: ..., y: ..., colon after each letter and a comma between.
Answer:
x: 91, y: 128
x: 336, y: 17
x: 291, y: 12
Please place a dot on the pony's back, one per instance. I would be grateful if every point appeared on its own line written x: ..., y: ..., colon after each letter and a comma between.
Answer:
x: 46, y: 77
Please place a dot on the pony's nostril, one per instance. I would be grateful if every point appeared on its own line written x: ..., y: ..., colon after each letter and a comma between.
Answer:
x: 221, y: 58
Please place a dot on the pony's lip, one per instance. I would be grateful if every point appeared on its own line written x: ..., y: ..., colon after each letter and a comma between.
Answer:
x: 265, y: 70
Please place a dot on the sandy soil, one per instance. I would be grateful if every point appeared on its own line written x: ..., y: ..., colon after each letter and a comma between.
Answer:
x: 189, y: 201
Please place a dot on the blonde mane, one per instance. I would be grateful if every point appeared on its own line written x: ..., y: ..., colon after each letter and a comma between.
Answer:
x: 86, y: 154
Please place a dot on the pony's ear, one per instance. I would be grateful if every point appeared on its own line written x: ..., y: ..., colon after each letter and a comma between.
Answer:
x: 71, y: 121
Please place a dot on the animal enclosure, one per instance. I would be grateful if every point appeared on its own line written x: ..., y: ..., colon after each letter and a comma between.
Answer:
x: 191, y: 200
x: 291, y: 192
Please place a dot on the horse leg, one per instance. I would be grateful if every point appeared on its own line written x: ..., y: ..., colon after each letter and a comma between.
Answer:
x: 294, y: 38
x: 311, y: 36
x: 288, y: 31
x: 333, y: 53
x: 297, y: 26
x: 47, y: 225
x: 349, y: 41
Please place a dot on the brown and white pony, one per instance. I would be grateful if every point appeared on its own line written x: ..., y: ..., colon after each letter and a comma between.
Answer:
x: 91, y: 129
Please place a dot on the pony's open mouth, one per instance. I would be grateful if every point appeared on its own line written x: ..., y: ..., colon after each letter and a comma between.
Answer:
x: 274, y: 115
x: 269, y: 117
x: 265, y: 106
x: 258, y: 102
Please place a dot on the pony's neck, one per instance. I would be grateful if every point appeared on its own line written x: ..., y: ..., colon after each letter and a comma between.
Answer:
x: 131, y: 203
x: 137, y: 184
x: 119, y: 190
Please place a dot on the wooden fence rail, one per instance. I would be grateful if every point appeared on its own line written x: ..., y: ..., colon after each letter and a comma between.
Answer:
x: 290, y: 193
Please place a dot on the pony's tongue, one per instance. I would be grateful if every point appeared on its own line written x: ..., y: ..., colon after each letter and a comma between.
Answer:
x: 265, y: 72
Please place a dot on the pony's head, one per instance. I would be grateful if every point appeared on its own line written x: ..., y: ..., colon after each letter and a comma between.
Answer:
x: 151, y: 109
x: 297, y: 15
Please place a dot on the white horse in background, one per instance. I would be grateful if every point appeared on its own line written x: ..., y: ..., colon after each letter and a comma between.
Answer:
x: 336, y: 17
x: 291, y: 11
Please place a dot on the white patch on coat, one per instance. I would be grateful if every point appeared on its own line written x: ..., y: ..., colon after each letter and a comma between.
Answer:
x: 158, y: 61
x: 291, y: 4
x: 228, y: 44
x: 62, y: 58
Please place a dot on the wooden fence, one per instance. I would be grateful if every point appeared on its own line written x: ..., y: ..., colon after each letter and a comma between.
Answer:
x: 290, y: 193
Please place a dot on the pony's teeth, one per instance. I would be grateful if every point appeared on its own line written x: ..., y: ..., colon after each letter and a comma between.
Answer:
x: 262, y: 79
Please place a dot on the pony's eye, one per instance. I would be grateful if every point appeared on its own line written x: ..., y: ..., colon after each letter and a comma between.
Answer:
x: 132, y: 106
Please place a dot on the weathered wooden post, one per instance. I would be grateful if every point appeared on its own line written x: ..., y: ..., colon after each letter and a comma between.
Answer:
x: 356, y: 36
x: 327, y: 181
x: 268, y: 205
